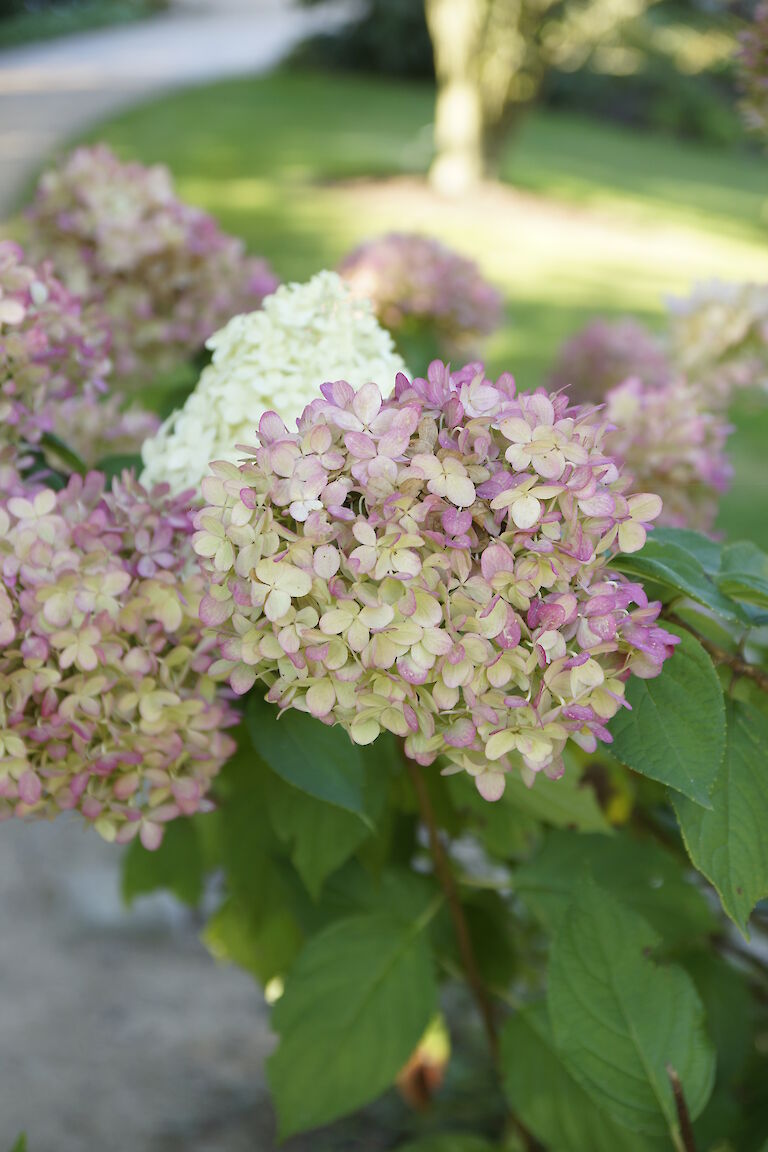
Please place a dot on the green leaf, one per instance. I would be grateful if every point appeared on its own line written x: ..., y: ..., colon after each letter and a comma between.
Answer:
x: 639, y: 873
x: 544, y: 1093
x: 727, y: 999
x: 266, y: 894
x: 321, y: 837
x: 21, y: 1144
x: 720, y: 1125
x: 744, y: 574
x: 400, y: 892
x: 491, y: 929
x: 248, y: 844
x: 619, y: 1019
x: 449, y: 1142
x: 60, y: 451
x: 508, y: 827
x: 356, y: 1003
x: 263, y: 944
x: 675, y: 732
x: 320, y: 760
x: 728, y: 843
x: 563, y: 803
x: 178, y: 864
x: 701, y: 548
x: 679, y: 569
x: 113, y: 466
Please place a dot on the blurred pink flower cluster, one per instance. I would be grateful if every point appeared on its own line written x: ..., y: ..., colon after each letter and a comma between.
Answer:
x: 434, y: 564
x: 668, y: 441
x: 55, y: 368
x: 163, y: 271
x: 51, y: 349
x: 97, y: 430
x: 670, y: 429
x: 753, y: 69
x: 412, y: 278
x: 604, y: 354
x: 107, y: 705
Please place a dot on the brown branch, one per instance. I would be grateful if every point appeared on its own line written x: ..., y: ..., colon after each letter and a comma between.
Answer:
x: 683, y: 1115
x: 447, y: 882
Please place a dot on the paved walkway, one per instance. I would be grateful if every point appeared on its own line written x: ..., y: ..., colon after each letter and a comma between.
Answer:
x: 52, y: 90
x: 118, y: 1033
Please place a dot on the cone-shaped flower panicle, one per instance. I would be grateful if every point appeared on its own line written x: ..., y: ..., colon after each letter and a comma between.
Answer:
x: 51, y: 349
x: 604, y: 354
x: 671, y: 445
x: 107, y: 705
x: 411, y: 278
x: 164, y: 272
x: 275, y: 359
x: 433, y: 564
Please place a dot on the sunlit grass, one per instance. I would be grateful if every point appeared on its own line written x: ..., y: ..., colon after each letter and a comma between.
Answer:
x: 600, y: 220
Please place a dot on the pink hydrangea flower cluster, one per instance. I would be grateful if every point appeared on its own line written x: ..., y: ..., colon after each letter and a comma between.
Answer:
x: 414, y: 279
x: 95, y: 429
x: 51, y: 349
x: 165, y: 273
x: 605, y: 353
x: 107, y: 704
x: 753, y: 70
x: 671, y: 445
x: 434, y: 564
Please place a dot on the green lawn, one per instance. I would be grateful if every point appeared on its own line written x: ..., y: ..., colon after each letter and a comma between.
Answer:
x: 594, y: 220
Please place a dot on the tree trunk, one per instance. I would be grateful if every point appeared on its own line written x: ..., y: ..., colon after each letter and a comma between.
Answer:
x: 454, y: 27
x: 497, y: 132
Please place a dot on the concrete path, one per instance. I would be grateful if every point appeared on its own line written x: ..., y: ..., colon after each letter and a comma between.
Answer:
x: 118, y: 1032
x: 52, y: 90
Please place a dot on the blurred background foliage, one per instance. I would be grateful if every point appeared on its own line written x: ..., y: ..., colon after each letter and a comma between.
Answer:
x: 672, y: 70
x: 27, y: 20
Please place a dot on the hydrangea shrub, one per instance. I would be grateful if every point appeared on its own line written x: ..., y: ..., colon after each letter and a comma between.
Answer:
x: 107, y: 705
x: 459, y: 719
x: 52, y: 349
x: 162, y: 270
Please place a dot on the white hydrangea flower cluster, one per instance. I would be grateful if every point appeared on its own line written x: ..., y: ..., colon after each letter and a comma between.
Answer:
x: 719, y: 338
x: 276, y: 359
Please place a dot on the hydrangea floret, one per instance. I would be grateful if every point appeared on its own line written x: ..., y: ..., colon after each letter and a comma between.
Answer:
x: 164, y: 272
x: 51, y: 349
x: 435, y: 565
x: 719, y: 338
x: 273, y: 359
x: 672, y: 445
x: 412, y: 278
x: 604, y: 354
x: 107, y: 703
